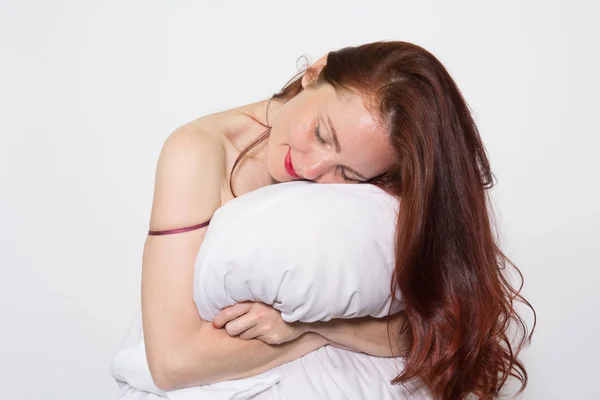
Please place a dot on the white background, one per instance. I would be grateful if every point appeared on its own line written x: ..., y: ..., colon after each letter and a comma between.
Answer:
x: 90, y: 89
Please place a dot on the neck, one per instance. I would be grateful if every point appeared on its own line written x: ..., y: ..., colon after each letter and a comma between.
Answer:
x: 258, y: 110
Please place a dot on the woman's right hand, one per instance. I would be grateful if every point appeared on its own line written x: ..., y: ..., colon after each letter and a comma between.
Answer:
x: 255, y: 320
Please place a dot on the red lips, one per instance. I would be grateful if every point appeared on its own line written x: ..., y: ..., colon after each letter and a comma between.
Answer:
x: 289, y: 167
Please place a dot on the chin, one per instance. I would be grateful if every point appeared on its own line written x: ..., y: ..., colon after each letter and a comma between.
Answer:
x: 276, y: 168
x: 277, y: 173
x: 282, y: 177
x: 276, y: 177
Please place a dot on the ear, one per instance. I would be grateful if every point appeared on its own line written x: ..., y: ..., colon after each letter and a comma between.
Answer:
x: 313, y: 71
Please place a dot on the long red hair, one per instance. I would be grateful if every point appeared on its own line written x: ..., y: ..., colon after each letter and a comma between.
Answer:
x: 449, y: 268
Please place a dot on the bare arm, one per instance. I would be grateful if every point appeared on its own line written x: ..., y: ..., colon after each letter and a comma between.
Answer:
x: 366, y: 335
x: 375, y: 336
x: 182, y: 349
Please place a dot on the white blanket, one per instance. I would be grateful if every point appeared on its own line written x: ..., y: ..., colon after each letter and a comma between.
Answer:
x: 315, y: 252
x: 326, y: 374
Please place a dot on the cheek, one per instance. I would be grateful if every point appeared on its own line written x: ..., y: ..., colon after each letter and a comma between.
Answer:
x: 283, y: 136
x: 301, y: 136
x: 295, y: 132
x: 280, y: 133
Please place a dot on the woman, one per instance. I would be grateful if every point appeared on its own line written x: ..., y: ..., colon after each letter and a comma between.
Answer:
x: 385, y: 113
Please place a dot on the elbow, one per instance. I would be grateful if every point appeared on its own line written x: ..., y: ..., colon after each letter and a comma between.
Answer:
x: 161, y: 380
x: 162, y: 366
x: 174, y: 369
x: 160, y: 372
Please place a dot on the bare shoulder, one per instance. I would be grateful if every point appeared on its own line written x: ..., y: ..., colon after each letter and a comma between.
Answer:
x: 225, y: 125
x: 189, y: 178
x: 217, y: 140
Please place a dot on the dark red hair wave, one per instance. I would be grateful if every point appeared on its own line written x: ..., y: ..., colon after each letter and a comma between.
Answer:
x: 449, y: 268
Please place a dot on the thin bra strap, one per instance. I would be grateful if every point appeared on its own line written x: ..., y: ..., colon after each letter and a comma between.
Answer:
x: 179, y: 230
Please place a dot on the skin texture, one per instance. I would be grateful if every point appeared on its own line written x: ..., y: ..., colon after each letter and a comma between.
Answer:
x: 363, y: 143
x: 192, y: 182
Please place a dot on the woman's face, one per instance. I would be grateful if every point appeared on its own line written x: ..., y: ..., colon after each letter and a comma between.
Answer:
x: 321, y: 137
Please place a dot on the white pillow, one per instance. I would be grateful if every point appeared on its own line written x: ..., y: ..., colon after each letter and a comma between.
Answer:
x: 313, y: 251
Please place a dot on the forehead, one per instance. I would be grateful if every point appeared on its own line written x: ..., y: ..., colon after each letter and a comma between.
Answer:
x: 363, y: 139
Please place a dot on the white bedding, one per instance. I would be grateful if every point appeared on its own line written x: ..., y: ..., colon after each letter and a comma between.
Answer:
x: 314, y: 252
x: 326, y: 374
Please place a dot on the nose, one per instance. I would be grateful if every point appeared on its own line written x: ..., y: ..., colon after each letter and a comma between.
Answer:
x: 315, y: 165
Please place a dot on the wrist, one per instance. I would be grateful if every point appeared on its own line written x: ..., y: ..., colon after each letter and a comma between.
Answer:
x: 312, y: 331
x: 302, y: 327
x: 315, y: 339
x: 324, y: 328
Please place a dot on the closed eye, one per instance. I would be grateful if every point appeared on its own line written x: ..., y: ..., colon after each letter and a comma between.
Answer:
x: 320, y: 139
x: 346, y: 178
x: 318, y: 135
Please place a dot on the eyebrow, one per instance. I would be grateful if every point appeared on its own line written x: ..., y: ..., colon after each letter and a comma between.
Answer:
x: 333, y: 134
x: 338, y: 149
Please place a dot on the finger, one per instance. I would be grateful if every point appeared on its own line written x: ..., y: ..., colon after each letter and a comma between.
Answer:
x: 230, y: 313
x: 270, y: 338
x: 241, y: 324
x: 262, y: 332
x: 251, y: 333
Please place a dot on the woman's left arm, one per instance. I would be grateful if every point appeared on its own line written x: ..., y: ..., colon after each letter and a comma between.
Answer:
x: 367, y: 334
x: 252, y: 320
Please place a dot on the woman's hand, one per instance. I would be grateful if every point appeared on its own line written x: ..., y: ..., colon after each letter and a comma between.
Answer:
x: 253, y: 320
